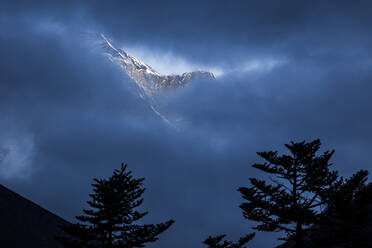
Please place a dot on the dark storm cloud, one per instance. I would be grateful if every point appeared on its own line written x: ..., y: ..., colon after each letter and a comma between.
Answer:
x: 220, y: 30
x: 76, y: 116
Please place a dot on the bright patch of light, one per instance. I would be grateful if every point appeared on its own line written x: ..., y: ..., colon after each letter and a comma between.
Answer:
x: 168, y: 63
x: 164, y: 63
x: 217, y: 72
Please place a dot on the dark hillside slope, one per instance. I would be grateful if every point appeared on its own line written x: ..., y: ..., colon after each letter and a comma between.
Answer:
x: 25, y: 224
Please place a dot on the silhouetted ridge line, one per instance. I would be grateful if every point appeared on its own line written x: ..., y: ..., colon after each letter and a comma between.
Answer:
x: 25, y: 224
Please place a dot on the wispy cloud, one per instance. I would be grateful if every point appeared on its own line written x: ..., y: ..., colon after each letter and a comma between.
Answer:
x: 16, y: 157
x: 250, y: 66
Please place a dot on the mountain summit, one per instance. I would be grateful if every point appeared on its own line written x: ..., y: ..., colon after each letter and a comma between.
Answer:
x: 148, y: 80
x: 146, y: 77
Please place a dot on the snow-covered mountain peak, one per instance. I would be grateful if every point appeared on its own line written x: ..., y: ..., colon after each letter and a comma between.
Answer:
x: 149, y: 80
x: 144, y: 75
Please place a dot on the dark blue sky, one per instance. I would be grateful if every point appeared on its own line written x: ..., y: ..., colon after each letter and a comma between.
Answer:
x: 288, y: 71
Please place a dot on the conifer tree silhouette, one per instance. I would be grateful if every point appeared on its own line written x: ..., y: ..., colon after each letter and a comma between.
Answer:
x: 348, y: 203
x: 216, y: 242
x: 111, y: 221
x: 292, y: 200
